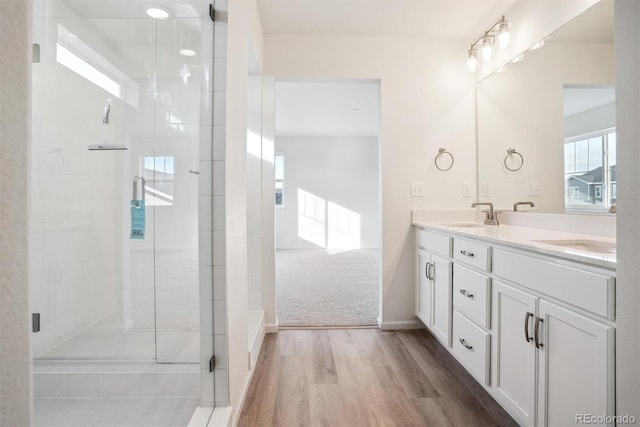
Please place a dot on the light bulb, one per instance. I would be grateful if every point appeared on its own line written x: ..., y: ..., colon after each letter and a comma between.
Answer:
x: 187, y: 52
x: 504, y: 37
x: 486, y: 51
x: 472, y: 60
x: 156, y: 12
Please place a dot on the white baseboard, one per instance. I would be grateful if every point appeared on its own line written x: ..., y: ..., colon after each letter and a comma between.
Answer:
x: 403, y: 324
x: 271, y: 328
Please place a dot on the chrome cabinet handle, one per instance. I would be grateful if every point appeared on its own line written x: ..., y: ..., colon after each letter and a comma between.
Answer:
x: 526, y: 326
x: 466, y: 294
x: 536, y: 333
x: 426, y: 271
x: 432, y: 273
x: 467, y: 253
x: 464, y: 343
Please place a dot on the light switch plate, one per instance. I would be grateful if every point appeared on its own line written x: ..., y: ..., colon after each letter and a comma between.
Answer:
x: 486, y: 192
x: 417, y: 189
x: 466, y: 189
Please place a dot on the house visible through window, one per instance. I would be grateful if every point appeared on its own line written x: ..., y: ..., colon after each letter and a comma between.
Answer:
x: 158, y: 171
x: 279, y: 177
x: 590, y: 171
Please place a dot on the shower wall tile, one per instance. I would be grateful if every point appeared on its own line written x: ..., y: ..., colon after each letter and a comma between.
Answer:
x: 207, y: 108
x: 83, y: 385
x: 206, y: 314
x: 218, y: 178
x: 220, y: 344
x: 206, y: 250
x: 206, y: 350
x: 54, y: 385
x: 219, y: 74
x: 219, y: 108
x: 206, y: 146
x: 206, y: 168
x: 219, y: 249
x: 206, y: 281
x: 219, y: 318
x: 219, y: 40
x: 221, y: 387
x: 112, y: 385
x: 219, y: 291
x: 205, y: 212
x: 141, y: 385
x: 184, y: 384
x: 218, y: 213
x: 207, y: 387
x: 219, y: 143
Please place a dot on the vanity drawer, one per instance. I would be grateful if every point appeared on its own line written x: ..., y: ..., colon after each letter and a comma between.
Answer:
x: 434, y: 242
x: 589, y: 290
x: 472, y: 294
x: 472, y: 253
x: 471, y: 347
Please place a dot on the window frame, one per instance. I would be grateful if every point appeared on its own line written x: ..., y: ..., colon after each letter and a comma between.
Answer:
x: 277, y: 180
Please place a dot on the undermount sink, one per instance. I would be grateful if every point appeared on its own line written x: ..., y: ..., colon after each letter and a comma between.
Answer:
x: 462, y: 224
x: 583, y: 245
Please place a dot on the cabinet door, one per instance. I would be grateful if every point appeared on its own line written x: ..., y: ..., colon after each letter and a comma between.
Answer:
x: 514, y: 355
x: 575, y: 366
x: 423, y: 299
x: 441, y: 308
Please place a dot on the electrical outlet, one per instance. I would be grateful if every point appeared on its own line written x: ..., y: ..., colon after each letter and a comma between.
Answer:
x: 485, y: 190
x: 466, y: 189
x: 417, y: 189
x: 533, y: 189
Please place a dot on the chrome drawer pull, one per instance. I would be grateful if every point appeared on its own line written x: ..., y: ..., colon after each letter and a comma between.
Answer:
x: 465, y: 293
x: 464, y: 343
x: 536, y: 333
x: 526, y: 326
x: 467, y: 253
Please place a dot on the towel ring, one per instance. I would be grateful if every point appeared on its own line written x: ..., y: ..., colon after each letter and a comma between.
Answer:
x: 443, y: 152
x: 510, y: 153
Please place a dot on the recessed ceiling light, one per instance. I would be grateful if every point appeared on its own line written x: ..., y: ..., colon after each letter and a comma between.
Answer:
x: 157, y: 12
x: 187, y: 52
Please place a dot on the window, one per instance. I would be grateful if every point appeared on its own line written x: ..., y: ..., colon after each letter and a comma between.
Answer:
x: 279, y: 177
x: 590, y: 171
x: 158, y: 173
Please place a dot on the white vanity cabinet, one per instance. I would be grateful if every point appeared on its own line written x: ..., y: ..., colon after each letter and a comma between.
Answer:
x: 536, y: 330
x: 433, y: 284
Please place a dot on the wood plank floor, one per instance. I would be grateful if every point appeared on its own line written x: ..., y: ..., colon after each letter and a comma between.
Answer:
x: 364, y: 377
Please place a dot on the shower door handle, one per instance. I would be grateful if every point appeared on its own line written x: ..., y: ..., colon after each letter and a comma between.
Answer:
x: 135, y: 189
x: 195, y: 172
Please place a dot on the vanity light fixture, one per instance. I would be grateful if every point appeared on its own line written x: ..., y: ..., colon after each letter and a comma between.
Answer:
x: 498, y: 34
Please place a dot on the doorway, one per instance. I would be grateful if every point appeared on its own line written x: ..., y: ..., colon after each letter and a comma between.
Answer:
x: 327, y: 197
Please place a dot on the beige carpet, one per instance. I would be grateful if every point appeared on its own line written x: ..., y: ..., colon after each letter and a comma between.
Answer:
x: 318, y: 289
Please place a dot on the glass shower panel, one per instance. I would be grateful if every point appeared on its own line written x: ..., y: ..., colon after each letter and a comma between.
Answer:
x: 175, y: 181
x: 88, y: 90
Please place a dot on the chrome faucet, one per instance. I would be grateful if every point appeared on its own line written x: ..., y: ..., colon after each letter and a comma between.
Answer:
x: 516, y: 204
x: 613, y: 208
x: 106, y: 112
x: 491, y: 217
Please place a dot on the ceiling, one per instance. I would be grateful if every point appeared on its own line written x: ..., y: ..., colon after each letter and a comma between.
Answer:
x: 461, y: 20
x: 317, y: 108
x: 580, y: 99
x: 595, y: 25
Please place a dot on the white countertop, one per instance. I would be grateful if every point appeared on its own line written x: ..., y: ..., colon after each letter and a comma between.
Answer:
x: 525, y: 238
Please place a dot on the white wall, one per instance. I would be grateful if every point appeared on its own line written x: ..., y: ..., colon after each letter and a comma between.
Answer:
x: 522, y: 108
x: 427, y: 102
x: 341, y: 173
x: 628, y: 274
x: 243, y: 27
x: 254, y: 193
x: 15, y: 358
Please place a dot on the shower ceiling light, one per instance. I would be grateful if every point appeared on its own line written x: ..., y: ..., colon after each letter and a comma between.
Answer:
x: 187, y: 52
x: 518, y: 58
x: 157, y: 12
x: 498, y: 34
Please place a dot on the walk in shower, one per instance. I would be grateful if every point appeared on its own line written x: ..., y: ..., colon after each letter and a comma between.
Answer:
x: 114, y: 211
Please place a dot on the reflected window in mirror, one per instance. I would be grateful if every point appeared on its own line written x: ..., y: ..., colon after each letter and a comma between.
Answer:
x: 590, y: 171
